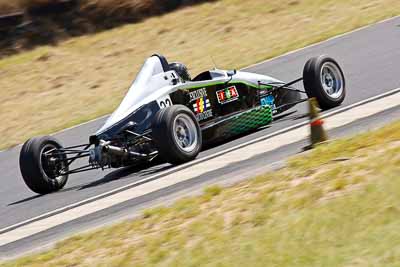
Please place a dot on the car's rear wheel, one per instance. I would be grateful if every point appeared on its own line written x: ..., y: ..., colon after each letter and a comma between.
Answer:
x: 177, y: 134
x: 323, y: 79
x: 40, y: 165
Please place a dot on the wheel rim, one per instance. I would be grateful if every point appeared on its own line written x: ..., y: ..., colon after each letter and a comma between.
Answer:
x: 185, y: 133
x: 51, y: 168
x: 332, y: 80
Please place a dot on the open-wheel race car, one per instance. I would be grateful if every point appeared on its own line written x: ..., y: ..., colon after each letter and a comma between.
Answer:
x: 167, y: 115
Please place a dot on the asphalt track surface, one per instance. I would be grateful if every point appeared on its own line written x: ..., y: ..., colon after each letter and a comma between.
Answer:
x: 370, y: 58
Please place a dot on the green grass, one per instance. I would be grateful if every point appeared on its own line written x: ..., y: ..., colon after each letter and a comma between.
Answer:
x: 54, y: 87
x: 317, y: 211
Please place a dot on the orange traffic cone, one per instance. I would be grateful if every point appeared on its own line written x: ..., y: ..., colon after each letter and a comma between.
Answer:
x: 318, y: 133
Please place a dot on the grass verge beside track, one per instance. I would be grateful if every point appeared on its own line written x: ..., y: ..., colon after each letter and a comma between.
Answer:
x: 337, y: 205
x: 52, y: 88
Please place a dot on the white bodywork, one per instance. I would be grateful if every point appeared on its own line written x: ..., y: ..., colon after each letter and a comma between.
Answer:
x: 152, y: 83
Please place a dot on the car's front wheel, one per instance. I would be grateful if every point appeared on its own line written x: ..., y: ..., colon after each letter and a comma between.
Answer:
x: 323, y: 79
x: 41, y: 165
x: 177, y: 134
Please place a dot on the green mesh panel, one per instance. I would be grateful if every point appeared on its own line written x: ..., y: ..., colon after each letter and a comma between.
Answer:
x: 249, y: 120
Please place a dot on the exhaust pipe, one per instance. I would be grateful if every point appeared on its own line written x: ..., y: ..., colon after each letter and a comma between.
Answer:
x: 122, y: 152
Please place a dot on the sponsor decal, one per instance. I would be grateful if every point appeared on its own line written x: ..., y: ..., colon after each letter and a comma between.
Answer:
x: 202, y: 108
x: 205, y: 115
x: 227, y: 95
x: 269, y: 101
x: 201, y: 104
x: 198, y: 94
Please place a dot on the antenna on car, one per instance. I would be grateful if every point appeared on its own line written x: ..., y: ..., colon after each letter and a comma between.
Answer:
x: 215, y: 65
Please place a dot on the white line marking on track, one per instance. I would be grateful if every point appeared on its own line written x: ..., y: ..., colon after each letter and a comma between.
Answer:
x: 179, y: 174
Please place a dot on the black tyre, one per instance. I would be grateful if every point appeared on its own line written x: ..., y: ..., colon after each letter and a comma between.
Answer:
x: 39, y: 171
x: 177, y: 134
x: 323, y: 79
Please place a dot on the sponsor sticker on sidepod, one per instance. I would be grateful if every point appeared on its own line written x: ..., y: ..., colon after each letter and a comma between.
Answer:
x: 227, y: 95
x: 201, y: 105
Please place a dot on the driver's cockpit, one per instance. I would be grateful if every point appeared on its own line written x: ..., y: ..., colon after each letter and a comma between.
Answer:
x: 183, y: 73
x: 209, y: 75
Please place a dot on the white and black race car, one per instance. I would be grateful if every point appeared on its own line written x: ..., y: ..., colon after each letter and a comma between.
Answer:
x: 167, y: 115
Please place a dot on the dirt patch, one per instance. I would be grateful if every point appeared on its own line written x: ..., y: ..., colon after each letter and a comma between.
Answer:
x: 47, y: 22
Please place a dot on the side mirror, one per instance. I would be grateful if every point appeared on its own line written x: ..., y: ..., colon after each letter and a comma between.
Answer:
x: 231, y: 72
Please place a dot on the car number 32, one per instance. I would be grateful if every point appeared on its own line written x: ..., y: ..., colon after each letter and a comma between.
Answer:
x: 164, y: 102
